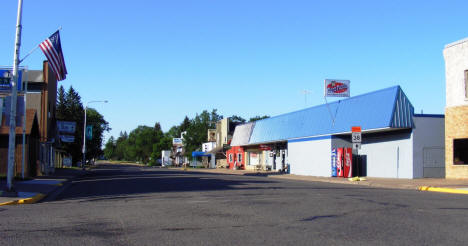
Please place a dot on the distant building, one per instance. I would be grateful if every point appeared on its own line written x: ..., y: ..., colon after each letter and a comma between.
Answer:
x: 456, y: 109
x: 223, y: 136
x: 166, y: 158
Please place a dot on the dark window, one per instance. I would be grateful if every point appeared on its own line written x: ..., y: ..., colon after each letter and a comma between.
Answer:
x: 460, y: 151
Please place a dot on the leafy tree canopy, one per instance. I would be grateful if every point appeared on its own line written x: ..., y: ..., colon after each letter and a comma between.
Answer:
x: 255, y: 118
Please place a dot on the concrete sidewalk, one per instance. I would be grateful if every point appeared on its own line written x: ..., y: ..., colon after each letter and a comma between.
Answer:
x: 425, y: 184
x: 31, y: 191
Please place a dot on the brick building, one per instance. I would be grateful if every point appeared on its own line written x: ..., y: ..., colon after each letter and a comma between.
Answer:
x: 456, y: 109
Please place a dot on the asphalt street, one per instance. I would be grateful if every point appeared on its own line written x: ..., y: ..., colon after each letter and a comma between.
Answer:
x: 130, y: 205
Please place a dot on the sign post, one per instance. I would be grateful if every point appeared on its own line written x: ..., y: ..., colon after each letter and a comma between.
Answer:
x: 335, y: 88
x: 356, y: 138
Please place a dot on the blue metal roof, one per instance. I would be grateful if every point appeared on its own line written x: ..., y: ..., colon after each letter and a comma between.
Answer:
x: 386, y: 108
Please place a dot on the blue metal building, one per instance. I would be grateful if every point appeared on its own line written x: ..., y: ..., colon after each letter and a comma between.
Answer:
x: 395, y: 140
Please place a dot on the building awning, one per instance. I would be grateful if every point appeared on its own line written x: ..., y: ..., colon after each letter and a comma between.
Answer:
x: 199, y: 154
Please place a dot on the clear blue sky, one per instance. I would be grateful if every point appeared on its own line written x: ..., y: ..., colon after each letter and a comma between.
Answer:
x: 157, y: 61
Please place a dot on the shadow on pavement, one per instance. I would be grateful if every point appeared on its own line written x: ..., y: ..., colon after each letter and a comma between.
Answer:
x: 114, y: 181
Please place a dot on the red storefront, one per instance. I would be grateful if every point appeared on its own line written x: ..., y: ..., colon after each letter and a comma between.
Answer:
x: 235, y: 157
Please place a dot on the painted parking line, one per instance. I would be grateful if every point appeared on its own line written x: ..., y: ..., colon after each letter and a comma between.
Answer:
x: 444, y: 190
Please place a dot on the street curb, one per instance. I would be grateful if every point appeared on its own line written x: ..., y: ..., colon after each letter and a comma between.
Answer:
x: 29, y: 200
x: 364, y: 182
x: 40, y: 196
x: 62, y: 186
x: 444, y: 190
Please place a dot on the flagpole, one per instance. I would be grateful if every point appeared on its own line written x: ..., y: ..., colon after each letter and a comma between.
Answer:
x: 14, y: 81
x: 34, y: 49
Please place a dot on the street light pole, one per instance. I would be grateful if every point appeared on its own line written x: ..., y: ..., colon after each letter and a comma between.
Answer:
x: 14, y: 81
x: 84, y: 132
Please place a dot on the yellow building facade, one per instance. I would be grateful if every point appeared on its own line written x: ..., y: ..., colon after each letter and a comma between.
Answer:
x: 456, y: 109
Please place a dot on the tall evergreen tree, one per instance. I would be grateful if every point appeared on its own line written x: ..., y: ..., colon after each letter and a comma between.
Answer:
x: 109, y: 149
x: 61, y: 109
x: 70, y: 108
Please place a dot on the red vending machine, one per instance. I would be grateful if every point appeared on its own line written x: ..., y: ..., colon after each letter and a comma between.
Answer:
x: 348, y: 163
x: 339, y: 162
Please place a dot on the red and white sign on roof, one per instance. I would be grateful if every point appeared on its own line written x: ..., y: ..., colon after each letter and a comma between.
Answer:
x: 337, y: 88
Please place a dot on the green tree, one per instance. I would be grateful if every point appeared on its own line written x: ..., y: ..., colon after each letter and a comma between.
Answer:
x: 175, y: 131
x: 184, y: 125
x: 165, y: 143
x: 120, y: 146
x: 99, y: 125
x: 255, y: 118
x: 61, y: 108
x: 140, y: 143
x: 237, y: 119
x: 197, y: 132
x: 70, y: 108
x: 109, y: 149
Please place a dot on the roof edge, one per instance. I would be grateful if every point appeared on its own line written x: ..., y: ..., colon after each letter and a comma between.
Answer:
x: 456, y: 43
x: 384, y: 129
x: 334, y: 102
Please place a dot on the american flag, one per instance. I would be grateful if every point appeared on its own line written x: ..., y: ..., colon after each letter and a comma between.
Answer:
x: 53, y: 51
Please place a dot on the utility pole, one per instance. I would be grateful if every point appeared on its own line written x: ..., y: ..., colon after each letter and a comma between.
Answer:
x: 84, y: 132
x: 14, y: 81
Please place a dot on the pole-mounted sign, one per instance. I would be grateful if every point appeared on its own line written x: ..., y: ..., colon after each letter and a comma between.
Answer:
x: 337, y: 88
x: 356, y: 137
x: 89, y: 132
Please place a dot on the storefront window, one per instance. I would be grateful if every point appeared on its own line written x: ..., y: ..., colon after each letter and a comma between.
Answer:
x: 460, y: 151
x: 253, y: 159
x: 230, y: 157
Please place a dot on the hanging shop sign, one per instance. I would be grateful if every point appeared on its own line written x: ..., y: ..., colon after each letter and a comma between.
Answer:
x: 177, y: 141
x: 66, y: 126
x: 67, y: 138
x: 5, y: 80
x: 337, y: 88
x: 89, y: 132
x: 264, y: 147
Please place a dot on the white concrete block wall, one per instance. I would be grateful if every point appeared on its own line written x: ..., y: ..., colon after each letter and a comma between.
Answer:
x: 341, y: 143
x: 429, y: 135
x: 310, y: 157
x: 455, y: 64
x: 389, y: 155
